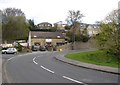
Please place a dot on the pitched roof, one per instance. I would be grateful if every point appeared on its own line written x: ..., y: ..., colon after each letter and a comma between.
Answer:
x: 47, y: 35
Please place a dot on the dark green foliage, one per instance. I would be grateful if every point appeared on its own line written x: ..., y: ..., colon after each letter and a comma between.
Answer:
x: 19, y: 47
x: 31, y: 24
x: 109, y: 37
x: 84, y: 35
x: 44, y: 30
x: 14, y: 25
x: 69, y: 34
x: 84, y: 38
x: 78, y: 37
x: 67, y: 27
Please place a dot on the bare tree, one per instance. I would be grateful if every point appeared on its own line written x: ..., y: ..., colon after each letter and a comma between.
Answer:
x: 112, y: 17
x: 74, y: 17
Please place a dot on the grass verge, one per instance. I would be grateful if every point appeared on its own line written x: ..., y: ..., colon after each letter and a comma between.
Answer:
x: 96, y: 57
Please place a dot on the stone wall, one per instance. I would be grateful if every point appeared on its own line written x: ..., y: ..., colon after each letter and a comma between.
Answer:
x: 64, y: 47
x: 85, y: 45
x: 78, y: 45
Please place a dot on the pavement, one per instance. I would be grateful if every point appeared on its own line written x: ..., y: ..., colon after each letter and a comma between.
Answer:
x: 86, y: 65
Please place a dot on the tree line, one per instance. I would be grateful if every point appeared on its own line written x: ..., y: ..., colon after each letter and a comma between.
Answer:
x: 14, y: 25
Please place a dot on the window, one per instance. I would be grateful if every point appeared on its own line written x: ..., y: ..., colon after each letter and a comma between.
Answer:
x: 58, y: 36
x: 37, y: 43
x: 34, y: 36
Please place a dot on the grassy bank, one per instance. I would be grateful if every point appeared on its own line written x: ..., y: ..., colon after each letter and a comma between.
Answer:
x: 96, y: 57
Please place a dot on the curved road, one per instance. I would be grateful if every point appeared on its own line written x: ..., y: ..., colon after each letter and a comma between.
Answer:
x: 42, y: 67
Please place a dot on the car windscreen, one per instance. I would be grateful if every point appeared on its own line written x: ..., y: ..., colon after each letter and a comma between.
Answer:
x: 4, y: 48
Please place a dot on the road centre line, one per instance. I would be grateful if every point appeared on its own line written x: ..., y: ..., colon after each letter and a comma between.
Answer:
x: 47, y: 69
x: 34, y: 60
x: 73, y: 80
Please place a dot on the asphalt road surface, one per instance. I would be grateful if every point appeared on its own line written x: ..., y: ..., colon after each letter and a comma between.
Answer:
x: 42, y: 67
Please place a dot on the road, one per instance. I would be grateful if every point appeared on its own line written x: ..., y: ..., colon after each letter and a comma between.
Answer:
x: 42, y: 67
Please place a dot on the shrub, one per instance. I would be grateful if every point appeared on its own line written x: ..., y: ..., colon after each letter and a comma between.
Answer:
x: 19, y: 47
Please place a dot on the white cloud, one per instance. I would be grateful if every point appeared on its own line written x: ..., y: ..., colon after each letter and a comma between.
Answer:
x: 56, y: 10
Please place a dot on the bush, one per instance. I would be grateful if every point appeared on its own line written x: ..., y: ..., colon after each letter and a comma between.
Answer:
x: 85, y: 38
x: 19, y: 47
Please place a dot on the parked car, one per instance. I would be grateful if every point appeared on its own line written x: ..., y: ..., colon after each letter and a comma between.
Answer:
x: 42, y: 48
x: 9, y: 50
x: 35, y: 48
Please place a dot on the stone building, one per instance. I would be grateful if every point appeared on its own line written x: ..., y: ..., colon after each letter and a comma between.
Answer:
x: 46, y: 38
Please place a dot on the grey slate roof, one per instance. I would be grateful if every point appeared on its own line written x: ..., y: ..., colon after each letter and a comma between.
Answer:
x: 47, y: 35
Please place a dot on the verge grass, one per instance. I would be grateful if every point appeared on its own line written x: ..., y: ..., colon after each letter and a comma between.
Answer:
x: 96, y: 57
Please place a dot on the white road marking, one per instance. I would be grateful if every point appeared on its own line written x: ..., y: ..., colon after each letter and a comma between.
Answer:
x: 47, y: 69
x: 72, y: 80
x: 10, y: 58
x: 34, y: 60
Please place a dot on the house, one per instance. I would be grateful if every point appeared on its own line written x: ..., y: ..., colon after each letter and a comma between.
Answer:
x: 93, y: 29
x: 83, y: 25
x: 60, y: 25
x: 44, y: 25
x: 46, y: 38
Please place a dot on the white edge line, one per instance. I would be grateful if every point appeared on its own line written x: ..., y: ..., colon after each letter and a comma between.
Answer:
x: 34, y: 60
x: 47, y: 69
x: 72, y: 80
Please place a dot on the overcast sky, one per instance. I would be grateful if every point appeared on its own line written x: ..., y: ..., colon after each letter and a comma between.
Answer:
x: 57, y: 10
